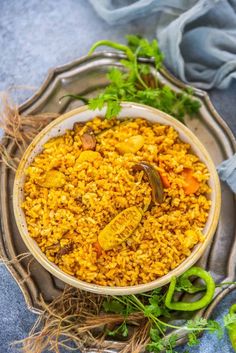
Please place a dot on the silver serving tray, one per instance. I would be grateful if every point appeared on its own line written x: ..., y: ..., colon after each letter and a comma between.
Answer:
x: 86, y: 77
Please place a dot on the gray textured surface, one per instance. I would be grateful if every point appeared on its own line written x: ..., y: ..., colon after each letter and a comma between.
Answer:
x: 35, y: 36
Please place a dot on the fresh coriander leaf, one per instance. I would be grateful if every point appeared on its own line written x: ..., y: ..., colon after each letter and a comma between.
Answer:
x: 164, y: 344
x: 214, y: 327
x: 121, y: 330
x: 229, y: 319
x: 155, y: 299
x: 189, y: 90
x: 156, y: 347
x: 144, y: 48
x: 156, y: 291
x: 124, y: 329
x: 130, y: 74
x: 144, y: 69
x: 112, y: 333
x: 113, y: 109
x: 191, y: 106
x: 192, y: 339
x: 127, y: 304
x: 184, y: 284
x: 173, y: 339
x: 170, y: 343
x: 113, y: 306
x: 96, y: 103
x: 153, y: 309
x: 155, y: 335
x: 130, y: 83
x: 198, y: 323
x: 125, y: 332
x: 165, y: 311
x: 133, y: 41
x: 116, y: 76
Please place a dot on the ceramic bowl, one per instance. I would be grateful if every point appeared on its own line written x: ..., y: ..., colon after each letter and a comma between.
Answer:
x: 132, y: 110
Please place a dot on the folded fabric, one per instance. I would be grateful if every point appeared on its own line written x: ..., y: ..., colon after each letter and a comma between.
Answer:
x: 227, y: 172
x: 198, y: 37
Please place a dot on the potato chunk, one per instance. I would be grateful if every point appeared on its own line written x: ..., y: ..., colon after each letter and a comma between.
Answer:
x: 52, y: 179
x: 130, y: 145
x: 88, y: 156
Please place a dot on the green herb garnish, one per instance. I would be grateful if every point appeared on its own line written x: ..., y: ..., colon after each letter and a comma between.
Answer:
x: 153, y: 307
x: 134, y: 82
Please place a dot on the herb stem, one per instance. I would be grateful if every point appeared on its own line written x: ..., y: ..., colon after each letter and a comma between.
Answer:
x: 164, y: 323
x: 114, y: 45
x: 138, y: 302
x: 137, y: 71
x: 127, y: 300
x: 225, y: 284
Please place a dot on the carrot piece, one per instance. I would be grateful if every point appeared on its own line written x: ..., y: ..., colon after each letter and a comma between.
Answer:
x: 164, y: 180
x: 98, y: 248
x: 192, y: 185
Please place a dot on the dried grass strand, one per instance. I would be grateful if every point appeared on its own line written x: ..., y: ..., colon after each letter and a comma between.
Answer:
x: 74, y: 321
x: 16, y: 259
x: 19, y: 128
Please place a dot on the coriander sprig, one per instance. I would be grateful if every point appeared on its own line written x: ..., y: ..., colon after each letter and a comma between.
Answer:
x: 133, y: 82
x: 153, y: 306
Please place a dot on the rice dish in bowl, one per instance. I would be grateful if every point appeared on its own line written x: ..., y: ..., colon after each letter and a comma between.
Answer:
x: 117, y: 203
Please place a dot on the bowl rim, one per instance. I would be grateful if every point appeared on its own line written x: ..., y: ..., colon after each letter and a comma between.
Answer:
x: 99, y: 289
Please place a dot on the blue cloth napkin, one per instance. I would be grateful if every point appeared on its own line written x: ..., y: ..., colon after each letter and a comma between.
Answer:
x: 227, y: 172
x: 198, y: 37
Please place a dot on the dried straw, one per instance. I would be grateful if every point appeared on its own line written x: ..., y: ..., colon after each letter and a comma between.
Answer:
x: 18, y: 128
x: 16, y: 259
x: 75, y: 320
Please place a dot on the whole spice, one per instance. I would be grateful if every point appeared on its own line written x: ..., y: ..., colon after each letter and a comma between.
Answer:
x: 88, y: 139
x: 65, y: 250
x: 154, y: 180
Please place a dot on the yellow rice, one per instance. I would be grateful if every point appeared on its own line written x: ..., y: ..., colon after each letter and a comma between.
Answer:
x: 65, y: 220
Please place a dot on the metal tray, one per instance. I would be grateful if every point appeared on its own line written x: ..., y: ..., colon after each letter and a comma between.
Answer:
x: 85, y: 77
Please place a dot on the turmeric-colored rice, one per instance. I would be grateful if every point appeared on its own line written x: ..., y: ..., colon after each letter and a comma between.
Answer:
x: 70, y: 196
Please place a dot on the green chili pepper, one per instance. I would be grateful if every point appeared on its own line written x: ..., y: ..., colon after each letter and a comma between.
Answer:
x: 191, y: 306
x: 114, y: 45
x: 232, y: 327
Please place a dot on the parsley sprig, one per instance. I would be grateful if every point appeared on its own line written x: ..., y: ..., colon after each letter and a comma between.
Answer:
x: 134, y: 82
